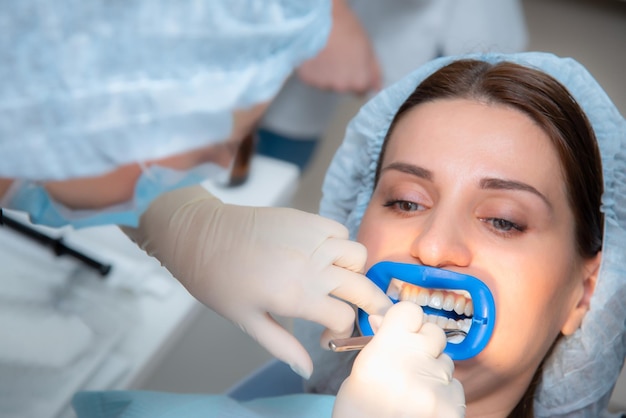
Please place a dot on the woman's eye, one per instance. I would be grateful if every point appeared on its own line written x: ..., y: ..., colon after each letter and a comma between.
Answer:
x: 404, y: 205
x: 504, y: 226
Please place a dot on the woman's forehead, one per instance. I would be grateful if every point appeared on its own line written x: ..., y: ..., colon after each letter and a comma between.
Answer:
x: 466, y: 124
x: 469, y: 138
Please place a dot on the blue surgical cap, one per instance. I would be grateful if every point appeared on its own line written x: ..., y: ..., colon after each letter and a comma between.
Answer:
x: 580, y: 374
x: 87, y: 86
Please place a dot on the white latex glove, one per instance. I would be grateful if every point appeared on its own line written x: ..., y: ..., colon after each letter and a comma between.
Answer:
x: 347, y: 63
x: 402, y: 371
x: 246, y: 263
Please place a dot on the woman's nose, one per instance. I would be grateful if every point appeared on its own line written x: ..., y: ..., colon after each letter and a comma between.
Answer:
x: 441, y: 243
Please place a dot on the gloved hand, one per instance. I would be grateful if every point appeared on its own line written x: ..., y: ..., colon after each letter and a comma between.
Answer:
x: 402, y: 371
x: 249, y: 263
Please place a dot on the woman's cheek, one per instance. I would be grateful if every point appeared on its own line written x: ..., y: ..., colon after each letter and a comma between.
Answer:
x: 366, y: 237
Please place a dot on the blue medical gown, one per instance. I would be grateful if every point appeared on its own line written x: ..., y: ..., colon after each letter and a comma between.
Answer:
x: 87, y: 86
x: 144, y: 404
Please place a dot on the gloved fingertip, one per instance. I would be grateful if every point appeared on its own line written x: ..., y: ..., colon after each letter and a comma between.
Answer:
x: 375, y: 322
x: 325, y: 339
x: 303, y: 372
x: 329, y: 335
x: 383, y: 310
x: 379, y: 305
x: 325, y: 343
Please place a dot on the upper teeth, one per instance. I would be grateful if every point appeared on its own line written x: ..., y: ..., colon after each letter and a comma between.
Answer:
x: 447, y: 300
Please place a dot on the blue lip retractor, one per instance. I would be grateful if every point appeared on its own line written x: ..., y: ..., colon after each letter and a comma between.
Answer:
x: 484, y: 316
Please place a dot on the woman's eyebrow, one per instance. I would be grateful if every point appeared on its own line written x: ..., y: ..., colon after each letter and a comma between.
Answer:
x: 414, y: 170
x: 501, y: 184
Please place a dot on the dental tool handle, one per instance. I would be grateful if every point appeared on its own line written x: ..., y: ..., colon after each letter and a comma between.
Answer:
x: 340, y: 345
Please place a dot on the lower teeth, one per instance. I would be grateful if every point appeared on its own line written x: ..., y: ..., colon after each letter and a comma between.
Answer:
x: 456, y: 338
x: 448, y: 323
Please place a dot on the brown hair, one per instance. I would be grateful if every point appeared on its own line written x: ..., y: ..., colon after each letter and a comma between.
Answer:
x: 548, y: 103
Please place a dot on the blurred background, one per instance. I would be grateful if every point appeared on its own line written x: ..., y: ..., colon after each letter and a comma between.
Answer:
x: 212, y: 354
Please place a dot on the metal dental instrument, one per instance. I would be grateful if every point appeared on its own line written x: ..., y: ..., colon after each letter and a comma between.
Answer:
x: 357, y: 343
x: 56, y: 244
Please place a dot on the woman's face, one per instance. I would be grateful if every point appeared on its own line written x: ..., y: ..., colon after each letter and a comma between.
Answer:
x: 477, y: 189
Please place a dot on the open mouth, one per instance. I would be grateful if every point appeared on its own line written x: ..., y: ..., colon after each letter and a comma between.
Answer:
x: 451, y: 310
x: 460, y: 304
